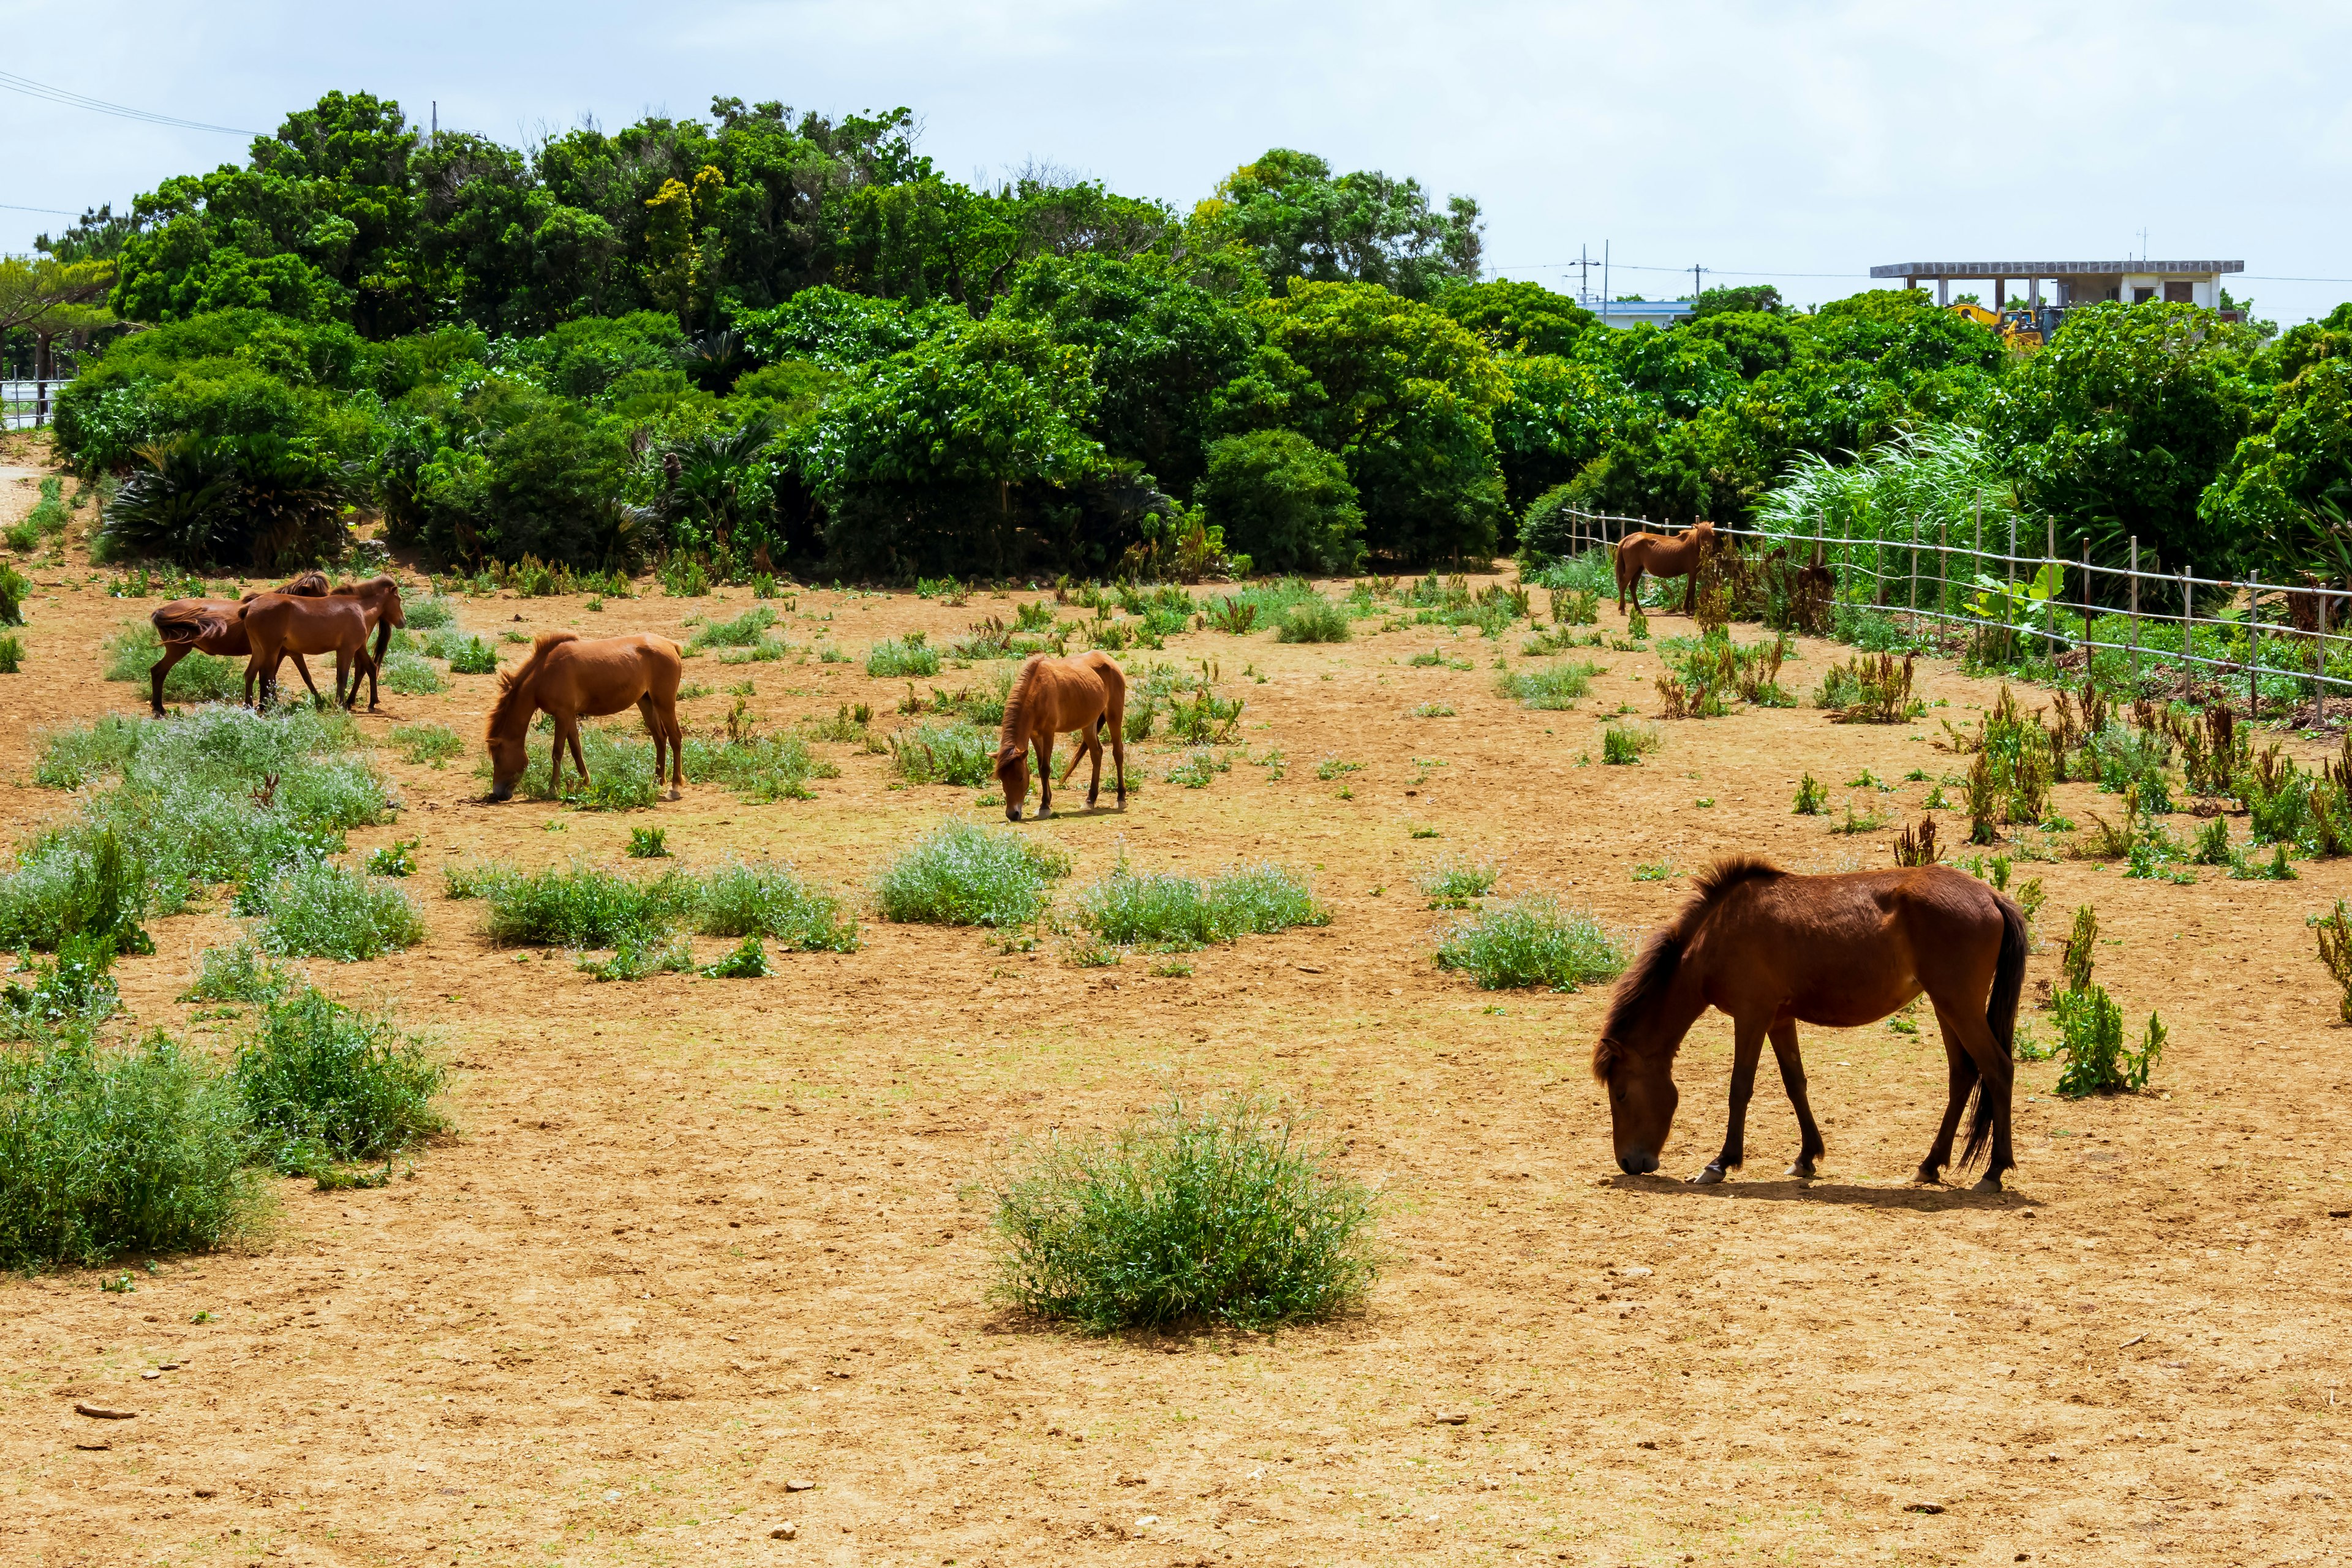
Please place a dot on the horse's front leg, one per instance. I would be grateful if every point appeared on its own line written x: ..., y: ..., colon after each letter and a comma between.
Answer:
x: 1045, y: 773
x: 1792, y: 1079
x: 173, y: 654
x: 1094, y: 780
x: 1748, y: 1045
x: 571, y: 737
x: 1960, y: 1077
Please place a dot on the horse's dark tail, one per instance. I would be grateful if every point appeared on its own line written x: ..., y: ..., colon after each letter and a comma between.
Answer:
x: 2001, y: 1016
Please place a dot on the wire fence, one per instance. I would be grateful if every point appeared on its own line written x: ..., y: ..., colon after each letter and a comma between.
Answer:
x: 2285, y: 643
x: 29, y: 405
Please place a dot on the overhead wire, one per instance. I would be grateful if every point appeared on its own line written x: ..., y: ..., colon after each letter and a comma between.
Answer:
x: 10, y: 82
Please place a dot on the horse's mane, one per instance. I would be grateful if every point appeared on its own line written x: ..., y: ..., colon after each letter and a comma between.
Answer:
x: 1644, y: 981
x: 513, y: 682
x: 306, y: 586
x: 1013, y: 736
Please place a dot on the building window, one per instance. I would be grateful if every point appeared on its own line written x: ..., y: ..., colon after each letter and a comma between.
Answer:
x: 2141, y: 296
x: 2181, y: 293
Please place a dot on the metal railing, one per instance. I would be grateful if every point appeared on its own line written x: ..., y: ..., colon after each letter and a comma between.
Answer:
x: 29, y: 405
x: 2284, y: 637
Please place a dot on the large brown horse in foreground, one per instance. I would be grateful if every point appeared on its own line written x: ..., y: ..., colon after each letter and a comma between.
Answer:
x: 216, y: 627
x: 1773, y: 949
x: 1662, y: 556
x: 568, y: 677
x: 1052, y: 697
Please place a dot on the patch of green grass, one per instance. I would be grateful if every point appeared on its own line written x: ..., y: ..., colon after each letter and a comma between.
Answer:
x: 239, y: 972
x: 896, y: 658
x: 326, y: 1084
x: 1530, y: 942
x: 131, y: 653
x: 746, y: 630
x: 419, y: 744
x: 408, y: 674
x: 1198, y: 768
x: 1330, y: 768
x: 106, y: 1151
x: 1167, y: 911
x: 743, y: 899
x: 470, y: 656
x: 951, y: 754
x: 748, y: 961
x: 1653, y: 871
x: 621, y: 769
x: 1455, y: 881
x: 1312, y: 621
x: 394, y: 859
x: 963, y: 874
x: 1622, y: 746
x: 1227, y: 1212
x: 1553, y: 687
x: 638, y: 961
x: 648, y: 844
x: 328, y: 912
x: 581, y: 906
x: 1434, y: 711
x: 432, y: 613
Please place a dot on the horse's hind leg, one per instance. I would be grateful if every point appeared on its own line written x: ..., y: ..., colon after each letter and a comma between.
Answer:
x: 1792, y: 1079
x: 1961, y: 1077
x: 173, y: 654
x: 1748, y: 1045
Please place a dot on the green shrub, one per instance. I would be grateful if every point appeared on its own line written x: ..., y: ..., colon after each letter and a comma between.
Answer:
x: 472, y: 656
x: 1556, y: 686
x: 323, y: 1083
x: 431, y: 614
x: 1313, y: 620
x: 328, y: 912
x: 1168, y: 913
x: 422, y: 743
x: 394, y: 859
x: 895, y: 658
x: 80, y: 880
x: 1455, y: 882
x: 1812, y: 798
x: 756, y: 767
x: 1622, y: 745
x: 131, y: 653
x: 404, y: 673
x: 1528, y: 942
x: 648, y: 844
x: 635, y: 960
x: 748, y: 961
x: 1228, y: 1213
x: 14, y: 586
x: 236, y: 973
x: 581, y: 906
x: 746, y: 630
x: 12, y: 654
x: 963, y: 874
x: 737, y: 898
x: 944, y: 754
x: 1282, y: 501
x: 106, y: 1151
x: 2091, y: 1030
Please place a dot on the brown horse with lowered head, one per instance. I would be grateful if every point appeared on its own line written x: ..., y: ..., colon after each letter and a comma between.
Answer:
x: 569, y: 677
x: 1773, y: 949
x: 1051, y: 697
x: 216, y: 627
x: 1662, y: 556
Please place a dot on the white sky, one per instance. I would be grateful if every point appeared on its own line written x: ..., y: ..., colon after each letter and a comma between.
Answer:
x: 1756, y: 139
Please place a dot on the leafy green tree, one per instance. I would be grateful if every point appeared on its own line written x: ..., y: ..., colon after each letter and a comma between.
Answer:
x: 1519, y: 318
x: 2117, y: 426
x: 1406, y: 396
x: 1285, y: 502
x: 1297, y: 220
x: 1746, y: 298
x: 2286, y: 493
x: 1755, y: 340
x: 1903, y: 334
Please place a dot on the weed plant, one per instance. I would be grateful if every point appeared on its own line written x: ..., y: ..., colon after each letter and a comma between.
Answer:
x: 1553, y: 688
x: 1530, y: 942
x: 748, y: 961
x: 324, y: 1084
x: 239, y: 972
x: 580, y: 906
x: 1223, y: 1213
x: 896, y: 658
x: 1812, y: 798
x: 2334, y: 932
x: 131, y: 653
x: 432, y: 613
x: 648, y: 844
x: 325, y: 910
x: 746, y: 630
x: 394, y: 859
x: 1622, y: 746
x: 1168, y: 913
x: 407, y: 674
x: 1457, y: 881
x: 1315, y: 620
x: 952, y: 754
x: 963, y: 874
x: 746, y: 900
x: 638, y: 961
x: 420, y: 744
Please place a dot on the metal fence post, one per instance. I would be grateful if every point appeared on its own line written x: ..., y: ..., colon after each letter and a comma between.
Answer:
x: 2253, y: 649
x: 2187, y: 632
x: 2319, y: 687
x: 2089, y: 654
x: 2135, y: 614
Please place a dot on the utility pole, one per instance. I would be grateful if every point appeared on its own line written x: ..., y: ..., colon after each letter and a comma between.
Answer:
x: 1604, y: 275
x: 435, y: 140
x: 1583, y: 276
x: 1694, y: 271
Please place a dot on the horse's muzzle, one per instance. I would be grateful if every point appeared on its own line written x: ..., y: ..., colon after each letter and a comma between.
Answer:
x: 1011, y: 814
x: 1637, y: 1164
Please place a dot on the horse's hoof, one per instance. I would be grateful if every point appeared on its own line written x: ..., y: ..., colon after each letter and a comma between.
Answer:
x: 1802, y: 1168
x: 1710, y: 1178
x: 675, y: 794
x: 1987, y: 1184
x: 1928, y: 1176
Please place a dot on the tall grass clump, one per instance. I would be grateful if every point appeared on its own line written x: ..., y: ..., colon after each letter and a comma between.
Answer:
x: 745, y: 630
x: 1554, y: 687
x: 740, y: 898
x: 239, y: 972
x: 1313, y: 620
x: 1166, y: 911
x: 621, y: 769
x: 1455, y: 882
x: 432, y: 613
x: 408, y: 674
x: 324, y: 1084
x: 1223, y: 1213
x: 1528, y: 942
x: 581, y: 906
x: 131, y: 653
x: 106, y: 1151
x: 332, y: 911
x: 897, y: 658
x: 419, y: 744
x: 960, y: 873
x: 953, y: 753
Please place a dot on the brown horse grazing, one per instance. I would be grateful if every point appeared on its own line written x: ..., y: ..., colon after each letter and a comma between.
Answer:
x: 216, y: 627
x: 568, y: 677
x: 1050, y: 697
x: 1772, y: 949
x: 1662, y: 556
x: 278, y: 625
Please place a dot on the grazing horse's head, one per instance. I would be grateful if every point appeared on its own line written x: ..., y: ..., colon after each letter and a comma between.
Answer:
x: 509, y: 758
x: 1635, y: 1059
x: 1013, y: 772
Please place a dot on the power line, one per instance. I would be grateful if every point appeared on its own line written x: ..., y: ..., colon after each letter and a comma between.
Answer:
x: 12, y: 82
x: 11, y: 206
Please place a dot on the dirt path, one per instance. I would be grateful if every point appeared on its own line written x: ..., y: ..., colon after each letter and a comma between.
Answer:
x: 700, y: 1241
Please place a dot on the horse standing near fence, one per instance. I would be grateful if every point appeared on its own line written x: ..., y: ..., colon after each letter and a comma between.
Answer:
x: 569, y: 677
x: 1052, y: 697
x: 216, y: 627
x: 1773, y: 949
x: 1662, y: 556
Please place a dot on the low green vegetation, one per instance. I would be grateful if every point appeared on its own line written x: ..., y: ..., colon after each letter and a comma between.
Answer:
x: 897, y: 658
x: 327, y: 910
x: 649, y: 843
x: 1530, y: 942
x: 1163, y: 912
x: 131, y: 653
x: 1551, y: 687
x: 586, y: 907
x: 1457, y: 881
x: 1622, y: 745
x: 1311, y: 621
x: 1228, y: 1212
x: 960, y: 873
x: 420, y: 744
x: 949, y: 753
x: 757, y: 768
x: 2091, y: 1025
x: 326, y: 1085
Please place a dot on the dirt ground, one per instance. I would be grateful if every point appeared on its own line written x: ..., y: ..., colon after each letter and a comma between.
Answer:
x: 705, y: 1260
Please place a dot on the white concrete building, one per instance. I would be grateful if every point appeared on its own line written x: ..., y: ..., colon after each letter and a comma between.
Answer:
x: 2075, y: 282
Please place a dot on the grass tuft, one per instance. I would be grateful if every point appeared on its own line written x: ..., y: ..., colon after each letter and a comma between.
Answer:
x: 963, y: 874
x: 1552, y: 688
x: 898, y: 658
x: 325, y: 1084
x: 1168, y: 913
x: 330, y: 911
x: 1313, y: 620
x: 1528, y: 942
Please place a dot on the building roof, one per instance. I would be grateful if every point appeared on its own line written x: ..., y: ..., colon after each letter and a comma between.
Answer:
x: 2048, y: 269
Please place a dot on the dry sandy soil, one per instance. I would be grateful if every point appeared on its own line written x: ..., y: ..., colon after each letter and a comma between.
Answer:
x: 698, y: 1242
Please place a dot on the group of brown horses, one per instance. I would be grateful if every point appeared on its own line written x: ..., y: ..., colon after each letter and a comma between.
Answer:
x: 1770, y: 949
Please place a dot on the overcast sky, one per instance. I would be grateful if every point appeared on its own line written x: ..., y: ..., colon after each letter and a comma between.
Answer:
x: 1766, y: 141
